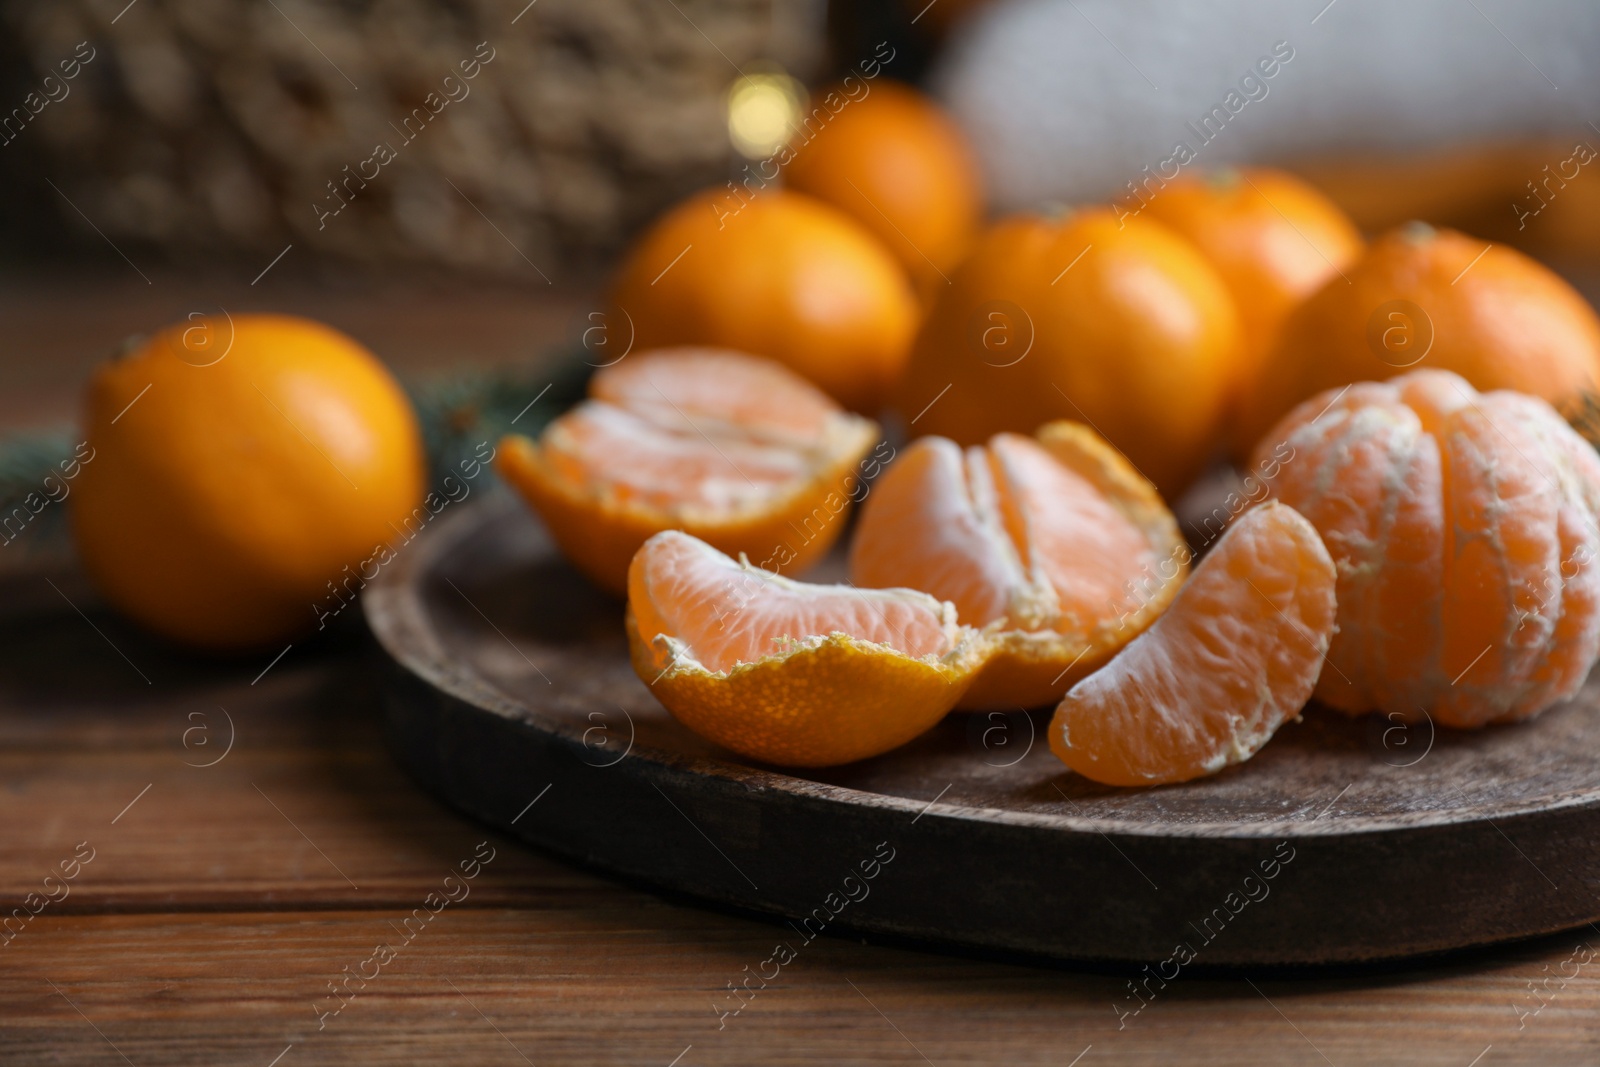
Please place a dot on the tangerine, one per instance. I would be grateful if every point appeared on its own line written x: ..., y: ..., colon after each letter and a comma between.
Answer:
x: 1055, y: 544
x: 242, y: 467
x: 1273, y: 239
x: 1421, y: 296
x: 775, y: 274
x: 736, y: 450
x: 1124, y: 327
x: 1464, y: 527
x: 897, y: 164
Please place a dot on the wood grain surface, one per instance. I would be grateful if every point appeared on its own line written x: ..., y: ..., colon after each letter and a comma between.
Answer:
x: 60, y: 325
x: 221, y: 902
x: 213, y: 916
x: 511, y: 675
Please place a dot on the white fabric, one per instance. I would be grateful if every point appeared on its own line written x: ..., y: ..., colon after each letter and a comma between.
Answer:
x: 1059, y: 114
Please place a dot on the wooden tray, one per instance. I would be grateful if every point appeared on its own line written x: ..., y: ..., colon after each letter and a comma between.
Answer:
x: 510, y: 695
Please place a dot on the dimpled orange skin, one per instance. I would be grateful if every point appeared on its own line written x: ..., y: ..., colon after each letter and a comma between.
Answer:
x: 1464, y: 529
x: 223, y: 499
x: 1135, y: 338
x: 1498, y: 319
x: 1273, y: 239
x: 780, y: 275
x: 1235, y: 657
x: 899, y: 166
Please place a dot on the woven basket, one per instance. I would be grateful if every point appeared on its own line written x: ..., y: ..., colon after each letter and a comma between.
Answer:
x: 241, y: 126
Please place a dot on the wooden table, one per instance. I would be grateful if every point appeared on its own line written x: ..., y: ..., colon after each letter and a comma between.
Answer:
x: 222, y: 902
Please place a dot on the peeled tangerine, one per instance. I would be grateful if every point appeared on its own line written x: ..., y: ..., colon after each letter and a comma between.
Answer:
x: 732, y: 448
x: 1464, y: 529
x: 1054, y: 543
x: 788, y: 673
x: 1235, y: 656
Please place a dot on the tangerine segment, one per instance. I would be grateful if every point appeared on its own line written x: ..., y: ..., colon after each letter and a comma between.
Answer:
x: 1055, y: 543
x: 1520, y: 554
x: 1368, y: 476
x: 640, y: 461
x: 732, y: 448
x: 1235, y: 656
x: 788, y: 673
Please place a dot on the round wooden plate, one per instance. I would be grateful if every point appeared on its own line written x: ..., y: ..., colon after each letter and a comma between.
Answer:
x: 510, y: 695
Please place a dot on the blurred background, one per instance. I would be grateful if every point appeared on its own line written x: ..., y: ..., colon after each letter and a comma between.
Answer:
x: 459, y: 185
x: 161, y: 157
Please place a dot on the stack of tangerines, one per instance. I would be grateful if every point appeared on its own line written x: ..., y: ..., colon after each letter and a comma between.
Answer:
x: 1428, y: 551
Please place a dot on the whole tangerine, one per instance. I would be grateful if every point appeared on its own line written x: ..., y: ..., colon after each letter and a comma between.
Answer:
x: 244, y: 468
x: 896, y: 163
x: 1120, y: 325
x: 1425, y: 297
x: 1273, y: 239
x: 774, y: 274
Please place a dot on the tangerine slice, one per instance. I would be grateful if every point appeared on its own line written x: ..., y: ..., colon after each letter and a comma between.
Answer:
x: 1055, y: 543
x: 1235, y: 656
x: 790, y: 673
x: 732, y: 448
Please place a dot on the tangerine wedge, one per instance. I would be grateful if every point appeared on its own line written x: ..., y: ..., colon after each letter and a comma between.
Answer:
x: 734, y: 449
x: 1056, y: 543
x: 1235, y: 656
x: 789, y: 673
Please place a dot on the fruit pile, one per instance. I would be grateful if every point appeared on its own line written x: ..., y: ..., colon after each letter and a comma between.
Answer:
x: 1411, y: 546
x: 1415, y: 532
